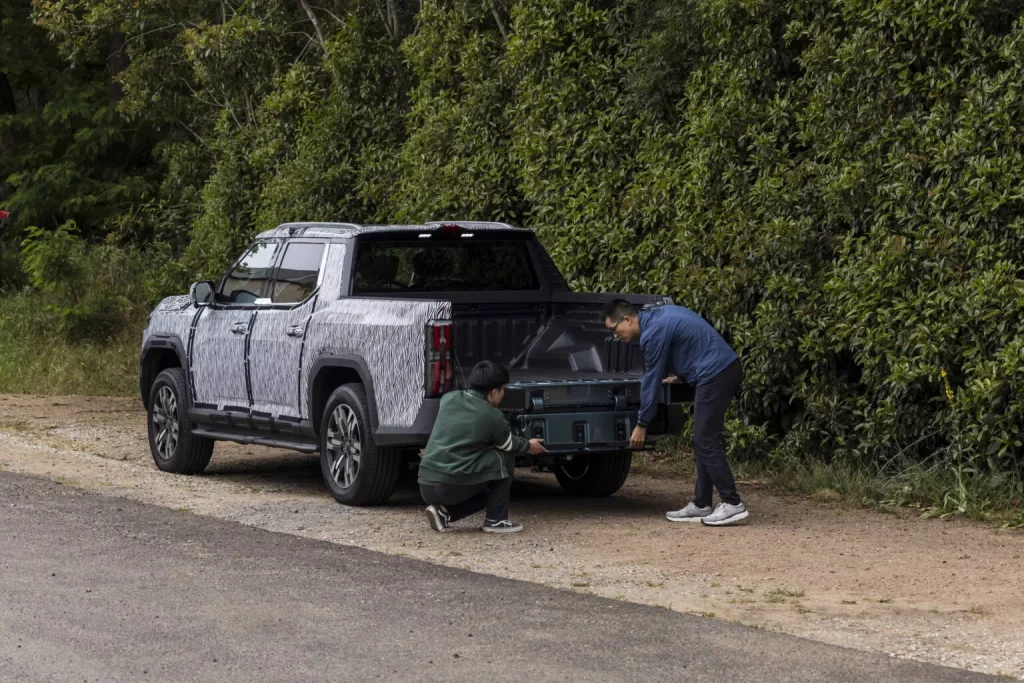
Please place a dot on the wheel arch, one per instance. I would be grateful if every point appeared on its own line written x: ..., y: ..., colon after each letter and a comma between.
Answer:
x: 159, y: 354
x: 332, y: 371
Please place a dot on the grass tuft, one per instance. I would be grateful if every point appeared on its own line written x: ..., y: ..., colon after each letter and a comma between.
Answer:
x: 923, y: 488
x: 35, y: 358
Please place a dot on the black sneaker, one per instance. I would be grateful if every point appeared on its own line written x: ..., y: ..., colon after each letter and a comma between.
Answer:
x: 503, y: 527
x: 438, y: 518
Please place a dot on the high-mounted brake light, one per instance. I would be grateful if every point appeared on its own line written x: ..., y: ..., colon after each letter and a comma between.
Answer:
x: 440, y: 358
x: 449, y: 229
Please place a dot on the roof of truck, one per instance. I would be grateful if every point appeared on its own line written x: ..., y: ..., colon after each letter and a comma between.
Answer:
x: 345, y: 230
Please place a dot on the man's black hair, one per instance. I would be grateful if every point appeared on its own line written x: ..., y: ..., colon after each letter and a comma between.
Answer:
x: 617, y: 309
x: 488, y: 376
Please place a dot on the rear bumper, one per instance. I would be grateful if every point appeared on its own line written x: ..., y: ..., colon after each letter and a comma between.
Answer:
x: 566, y: 429
x: 593, y: 432
x: 577, y: 431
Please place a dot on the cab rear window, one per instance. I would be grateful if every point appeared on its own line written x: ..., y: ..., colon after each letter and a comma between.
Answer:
x: 461, y: 265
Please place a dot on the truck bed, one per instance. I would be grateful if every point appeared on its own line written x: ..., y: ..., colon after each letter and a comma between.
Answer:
x: 560, y: 356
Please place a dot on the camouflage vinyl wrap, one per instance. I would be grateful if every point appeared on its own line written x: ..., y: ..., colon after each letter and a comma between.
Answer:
x: 388, y: 335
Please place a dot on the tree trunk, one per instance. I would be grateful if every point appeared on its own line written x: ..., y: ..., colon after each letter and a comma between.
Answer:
x: 320, y: 38
x: 7, y: 104
x: 117, y: 61
x: 497, y: 17
x: 396, y: 33
x: 7, y: 107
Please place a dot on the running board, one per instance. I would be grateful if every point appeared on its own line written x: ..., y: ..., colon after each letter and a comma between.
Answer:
x: 250, y: 439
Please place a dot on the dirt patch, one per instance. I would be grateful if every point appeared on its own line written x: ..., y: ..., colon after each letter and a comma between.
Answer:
x: 948, y: 592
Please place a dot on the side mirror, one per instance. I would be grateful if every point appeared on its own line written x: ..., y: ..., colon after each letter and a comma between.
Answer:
x: 201, y: 293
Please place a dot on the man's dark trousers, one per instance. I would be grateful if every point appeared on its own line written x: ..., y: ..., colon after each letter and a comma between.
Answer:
x: 463, y: 501
x: 710, y: 403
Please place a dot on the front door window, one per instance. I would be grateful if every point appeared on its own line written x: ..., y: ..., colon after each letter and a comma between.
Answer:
x: 247, y: 281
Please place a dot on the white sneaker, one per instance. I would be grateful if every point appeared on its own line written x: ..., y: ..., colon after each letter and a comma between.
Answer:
x: 726, y: 514
x: 690, y: 513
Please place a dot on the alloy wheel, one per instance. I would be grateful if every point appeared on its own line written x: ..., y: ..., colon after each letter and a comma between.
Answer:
x: 165, y: 419
x: 344, y: 445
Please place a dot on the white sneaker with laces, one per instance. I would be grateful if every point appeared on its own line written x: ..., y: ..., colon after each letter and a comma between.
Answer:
x: 726, y: 514
x: 690, y: 513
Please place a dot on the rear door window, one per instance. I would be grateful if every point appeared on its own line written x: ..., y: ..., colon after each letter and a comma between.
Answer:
x: 492, y: 265
x: 298, y: 273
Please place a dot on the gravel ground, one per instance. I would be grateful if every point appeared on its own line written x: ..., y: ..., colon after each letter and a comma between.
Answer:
x: 942, y: 591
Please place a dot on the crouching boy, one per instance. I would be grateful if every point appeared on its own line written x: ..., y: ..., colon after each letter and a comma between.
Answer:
x: 468, y: 462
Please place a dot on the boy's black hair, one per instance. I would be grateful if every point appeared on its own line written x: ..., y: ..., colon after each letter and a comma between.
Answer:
x: 488, y: 376
x: 617, y: 309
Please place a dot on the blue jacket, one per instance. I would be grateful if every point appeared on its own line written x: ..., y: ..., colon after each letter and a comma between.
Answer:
x: 677, y: 341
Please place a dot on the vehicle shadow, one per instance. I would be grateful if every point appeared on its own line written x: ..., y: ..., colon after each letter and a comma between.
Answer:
x: 266, y: 467
x: 531, y: 492
x: 541, y: 494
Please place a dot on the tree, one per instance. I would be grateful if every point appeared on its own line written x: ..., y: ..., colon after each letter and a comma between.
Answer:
x: 67, y: 153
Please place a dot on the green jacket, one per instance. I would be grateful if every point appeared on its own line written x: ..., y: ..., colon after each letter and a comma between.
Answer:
x: 469, y: 442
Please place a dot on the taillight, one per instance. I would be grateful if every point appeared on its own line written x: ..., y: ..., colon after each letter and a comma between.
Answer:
x: 440, y: 358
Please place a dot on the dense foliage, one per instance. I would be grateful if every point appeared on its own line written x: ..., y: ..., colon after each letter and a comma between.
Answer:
x: 835, y: 184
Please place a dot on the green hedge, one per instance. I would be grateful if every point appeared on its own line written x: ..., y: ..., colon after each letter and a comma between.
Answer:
x: 836, y: 185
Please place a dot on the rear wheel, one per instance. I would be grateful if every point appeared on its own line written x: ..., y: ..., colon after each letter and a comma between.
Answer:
x: 171, y: 442
x: 600, y: 475
x: 355, y: 469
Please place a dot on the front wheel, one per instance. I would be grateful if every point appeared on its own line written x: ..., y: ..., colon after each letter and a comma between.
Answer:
x: 171, y: 441
x: 597, y: 476
x: 355, y: 469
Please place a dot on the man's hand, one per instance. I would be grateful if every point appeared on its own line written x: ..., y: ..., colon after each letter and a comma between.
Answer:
x: 537, y: 447
x: 638, y: 438
x: 671, y: 379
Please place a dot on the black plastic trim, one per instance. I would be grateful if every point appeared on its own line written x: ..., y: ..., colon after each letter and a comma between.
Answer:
x: 244, y: 437
x: 241, y: 422
x: 351, y: 362
x: 160, y: 342
x: 245, y: 356
x: 416, y: 434
x: 191, y: 344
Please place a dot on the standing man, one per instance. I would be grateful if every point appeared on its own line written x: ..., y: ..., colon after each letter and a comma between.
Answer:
x: 679, y: 344
x: 468, y: 462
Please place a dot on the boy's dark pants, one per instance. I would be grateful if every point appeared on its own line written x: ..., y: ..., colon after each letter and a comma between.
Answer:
x: 463, y: 501
x: 710, y: 403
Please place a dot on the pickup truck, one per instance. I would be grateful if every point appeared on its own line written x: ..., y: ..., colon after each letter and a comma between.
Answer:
x: 341, y: 339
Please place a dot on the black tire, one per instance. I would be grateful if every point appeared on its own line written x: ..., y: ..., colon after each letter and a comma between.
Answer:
x: 597, y: 476
x: 344, y: 433
x: 171, y: 442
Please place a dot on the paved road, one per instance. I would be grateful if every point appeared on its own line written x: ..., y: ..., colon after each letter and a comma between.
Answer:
x: 94, y: 588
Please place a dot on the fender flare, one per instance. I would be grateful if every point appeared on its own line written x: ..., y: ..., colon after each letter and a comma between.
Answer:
x: 348, y: 362
x: 161, y: 342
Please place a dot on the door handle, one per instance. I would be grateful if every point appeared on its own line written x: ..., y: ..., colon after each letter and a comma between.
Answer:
x: 239, y: 328
x: 295, y: 331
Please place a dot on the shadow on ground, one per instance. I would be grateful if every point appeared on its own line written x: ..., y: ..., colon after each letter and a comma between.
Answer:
x: 536, y: 492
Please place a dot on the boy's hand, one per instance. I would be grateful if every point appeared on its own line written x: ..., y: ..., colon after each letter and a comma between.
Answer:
x: 638, y: 438
x: 537, y: 447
